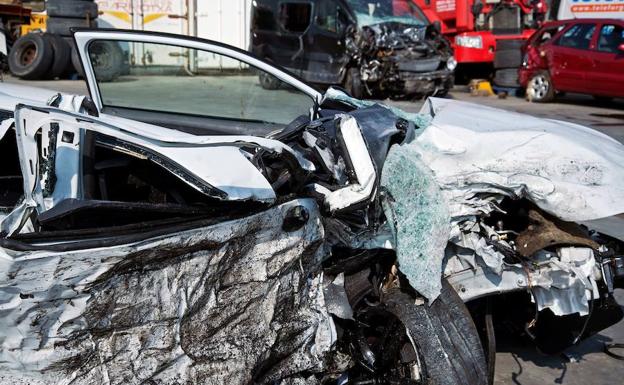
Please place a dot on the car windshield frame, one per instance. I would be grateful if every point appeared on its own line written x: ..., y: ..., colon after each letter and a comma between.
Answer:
x: 362, y: 11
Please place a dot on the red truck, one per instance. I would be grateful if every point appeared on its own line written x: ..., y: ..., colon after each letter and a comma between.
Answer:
x: 487, y: 34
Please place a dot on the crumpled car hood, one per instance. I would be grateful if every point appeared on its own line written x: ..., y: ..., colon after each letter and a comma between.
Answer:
x: 568, y: 170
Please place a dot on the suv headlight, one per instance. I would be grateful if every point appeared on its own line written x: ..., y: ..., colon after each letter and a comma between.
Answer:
x: 469, y: 41
x: 451, y: 63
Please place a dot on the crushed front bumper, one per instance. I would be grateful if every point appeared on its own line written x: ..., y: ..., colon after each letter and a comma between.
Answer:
x: 426, y: 83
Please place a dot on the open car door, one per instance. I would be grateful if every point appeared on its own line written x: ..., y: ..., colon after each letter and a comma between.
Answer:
x: 189, y: 84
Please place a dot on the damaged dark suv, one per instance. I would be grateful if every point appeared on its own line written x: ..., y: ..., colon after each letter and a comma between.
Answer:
x: 384, y: 48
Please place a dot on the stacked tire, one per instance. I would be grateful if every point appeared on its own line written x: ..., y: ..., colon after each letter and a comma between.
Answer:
x: 53, y: 54
x: 507, y: 61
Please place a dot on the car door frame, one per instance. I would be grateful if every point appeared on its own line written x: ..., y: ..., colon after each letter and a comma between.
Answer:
x: 83, y: 37
x: 558, y: 68
x: 604, y: 85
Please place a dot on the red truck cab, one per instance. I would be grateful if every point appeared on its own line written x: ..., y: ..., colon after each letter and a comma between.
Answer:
x: 487, y: 34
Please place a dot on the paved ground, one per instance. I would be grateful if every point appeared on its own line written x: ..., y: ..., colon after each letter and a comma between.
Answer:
x: 522, y: 365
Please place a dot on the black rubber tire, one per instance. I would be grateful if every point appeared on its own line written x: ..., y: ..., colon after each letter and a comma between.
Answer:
x: 508, y: 58
x: 513, y: 44
x: 446, y: 337
x: 535, y: 92
x: 268, y: 81
x: 353, y: 83
x: 41, y: 56
x: 106, y: 59
x: 76, y: 63
x: 602, y: 99
x: 61, y: 65
x: 507, y: 77
x: 72, y: 8
x: 62, y: 25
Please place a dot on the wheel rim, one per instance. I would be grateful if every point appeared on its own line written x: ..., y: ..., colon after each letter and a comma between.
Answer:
x: 28, y: 55
x: 540, y: 85
x: 383, y: 350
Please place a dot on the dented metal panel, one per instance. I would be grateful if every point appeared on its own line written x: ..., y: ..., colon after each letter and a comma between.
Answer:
x: 205, y: 305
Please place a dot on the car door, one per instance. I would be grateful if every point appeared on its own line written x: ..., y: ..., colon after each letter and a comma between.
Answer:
x: 191, y: 85
x: 607, y: 72
x: 325, y: 50
x: 571, y: 57
x: 144, y: 252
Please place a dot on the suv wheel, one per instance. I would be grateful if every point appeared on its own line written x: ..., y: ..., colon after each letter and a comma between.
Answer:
x: 353, y: 83
x: 540, y: 88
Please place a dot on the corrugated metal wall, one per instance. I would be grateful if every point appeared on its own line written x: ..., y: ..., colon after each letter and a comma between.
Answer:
x: 222, y: 20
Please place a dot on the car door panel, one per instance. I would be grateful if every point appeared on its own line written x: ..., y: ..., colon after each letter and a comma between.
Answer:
x: 607, y: 74
x: 571, y: 57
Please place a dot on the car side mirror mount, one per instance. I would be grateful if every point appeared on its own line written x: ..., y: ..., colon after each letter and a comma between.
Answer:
x: 621, y: 48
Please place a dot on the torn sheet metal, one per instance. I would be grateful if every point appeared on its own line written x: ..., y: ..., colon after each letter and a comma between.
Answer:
x: 416, y: 207
x: 210, y: 305
x: 361, y: 163
x: 420, y: 120
x: 568, y: 170
x: 201, y: 160
x: 563, y: 282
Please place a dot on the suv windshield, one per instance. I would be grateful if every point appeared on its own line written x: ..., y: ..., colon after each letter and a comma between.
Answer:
x: 370, y: 12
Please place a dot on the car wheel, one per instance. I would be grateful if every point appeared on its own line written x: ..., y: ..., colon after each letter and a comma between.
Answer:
x: 418, y: 344
x: 268, y: 81
x: 75, y: 60
x: 31, y: 56
x: 508, y: 58
x: 540, y: 88
x: 62, y: 56
x: 62, y: 25
x: 353, y: 83
x: 106, y: 59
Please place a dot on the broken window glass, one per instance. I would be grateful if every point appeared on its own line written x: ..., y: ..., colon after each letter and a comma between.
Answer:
x: 397, y: 11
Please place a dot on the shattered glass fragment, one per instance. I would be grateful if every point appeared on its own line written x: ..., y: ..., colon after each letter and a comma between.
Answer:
x: 416, y: 206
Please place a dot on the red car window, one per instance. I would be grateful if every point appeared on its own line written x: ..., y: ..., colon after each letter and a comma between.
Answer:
x: 578, y: 36
x: 611, y: 37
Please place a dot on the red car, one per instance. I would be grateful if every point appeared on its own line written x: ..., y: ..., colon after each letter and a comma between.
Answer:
x: 581, y: 55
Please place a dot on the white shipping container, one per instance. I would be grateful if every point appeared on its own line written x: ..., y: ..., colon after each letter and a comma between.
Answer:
x: 590, y: 9
x: 226, y: 21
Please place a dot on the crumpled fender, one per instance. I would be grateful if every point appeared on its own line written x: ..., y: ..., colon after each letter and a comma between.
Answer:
x: 568, y: 170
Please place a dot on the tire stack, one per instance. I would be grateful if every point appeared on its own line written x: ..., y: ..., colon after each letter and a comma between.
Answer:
x: 53, y: 54
x: 507, y: 61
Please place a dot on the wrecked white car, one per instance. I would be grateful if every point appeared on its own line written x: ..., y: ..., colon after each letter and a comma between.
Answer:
x: 186, y: 225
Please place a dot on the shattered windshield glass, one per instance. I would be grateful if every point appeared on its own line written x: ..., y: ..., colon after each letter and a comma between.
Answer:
x: 388, y: 11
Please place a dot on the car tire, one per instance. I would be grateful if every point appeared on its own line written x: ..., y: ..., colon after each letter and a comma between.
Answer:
x: 446, y: 336
x: 76, y: 63
x: 31, y: 56
x: 62, y: 25
x: 61, y: 64
x: 353, y: 83
x: 509, y: 44
x: 106, y: 60
x: 268, y: 81
x: 602, y: 99
x: 508, y: 58
x: 507, y: 77
x: 80, y: 9
x: 540, y: 88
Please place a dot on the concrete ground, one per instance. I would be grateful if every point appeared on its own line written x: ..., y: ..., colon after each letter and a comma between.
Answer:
x: 520, y: 364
